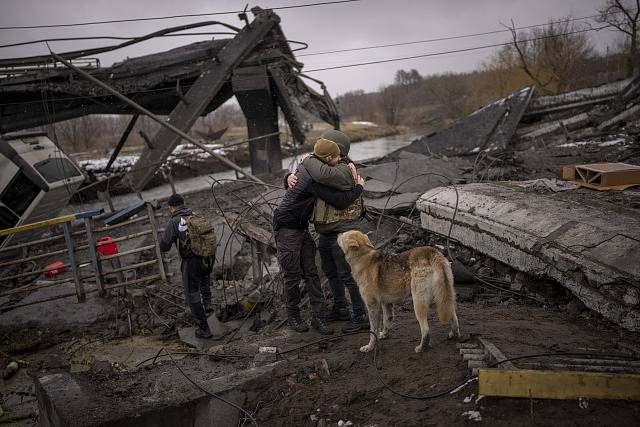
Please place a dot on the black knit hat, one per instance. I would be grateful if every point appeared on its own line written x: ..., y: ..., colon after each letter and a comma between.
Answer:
x: 175, y: 200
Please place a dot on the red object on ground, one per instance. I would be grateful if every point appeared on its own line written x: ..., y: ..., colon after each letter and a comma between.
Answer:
x: 106, y: 246
x: 55, y: 268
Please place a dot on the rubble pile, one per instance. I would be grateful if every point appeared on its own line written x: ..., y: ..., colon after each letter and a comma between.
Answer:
x: 544, y: 227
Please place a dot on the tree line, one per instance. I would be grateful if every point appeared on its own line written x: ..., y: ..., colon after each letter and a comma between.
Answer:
x: 557, y: 57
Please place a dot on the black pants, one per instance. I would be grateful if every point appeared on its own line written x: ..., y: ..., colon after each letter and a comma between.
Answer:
x: 195, y: 280
x: 338, y: 272
x: 296, y: 256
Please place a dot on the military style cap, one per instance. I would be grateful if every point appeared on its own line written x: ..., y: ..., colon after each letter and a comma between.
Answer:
x: 339, y: 138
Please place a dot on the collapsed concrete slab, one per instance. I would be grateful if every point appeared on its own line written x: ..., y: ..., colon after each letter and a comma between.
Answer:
x: 156, y: 397
x: 409, y: 175
x: 590, y: 248
x: 488, y: 128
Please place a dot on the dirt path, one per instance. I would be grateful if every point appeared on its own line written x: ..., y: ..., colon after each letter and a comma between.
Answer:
x: 354, y: 393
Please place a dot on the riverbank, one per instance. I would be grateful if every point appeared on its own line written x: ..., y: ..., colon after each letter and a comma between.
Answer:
x: 190, y: 163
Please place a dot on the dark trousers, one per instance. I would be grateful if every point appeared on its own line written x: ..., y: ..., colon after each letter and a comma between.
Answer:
x: 338, y: 272
x: 195, y: 280
x: 297, y: 259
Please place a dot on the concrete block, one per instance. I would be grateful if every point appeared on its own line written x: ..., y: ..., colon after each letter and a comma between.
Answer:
x: 586, y: 247
x: 73, y: 399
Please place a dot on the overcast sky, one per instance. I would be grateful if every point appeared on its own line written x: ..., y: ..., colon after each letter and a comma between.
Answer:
x: 329, y: 27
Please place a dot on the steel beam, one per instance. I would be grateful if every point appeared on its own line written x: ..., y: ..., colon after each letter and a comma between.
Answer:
x: 123, y: 139
x: 215, y: 73
x: 287, y: 103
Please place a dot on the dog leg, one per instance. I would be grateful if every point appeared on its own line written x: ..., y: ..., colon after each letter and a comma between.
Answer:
x: 421, y: 303
x: 387, y: 317
x: 375, y: 312
x: 455, y: 327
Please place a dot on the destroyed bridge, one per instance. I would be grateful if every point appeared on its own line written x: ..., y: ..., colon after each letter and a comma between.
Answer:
x: 257, y: 66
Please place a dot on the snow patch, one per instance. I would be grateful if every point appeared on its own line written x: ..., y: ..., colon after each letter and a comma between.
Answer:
x: 364, y: 123
x: 598, y: 143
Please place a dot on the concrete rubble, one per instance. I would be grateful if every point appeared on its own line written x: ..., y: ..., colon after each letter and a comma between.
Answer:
x: 587, y: 248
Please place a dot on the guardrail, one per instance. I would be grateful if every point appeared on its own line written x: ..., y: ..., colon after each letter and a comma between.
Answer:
x: 83, y: 247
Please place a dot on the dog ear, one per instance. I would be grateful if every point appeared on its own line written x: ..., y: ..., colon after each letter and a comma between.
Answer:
x: 352, y: 243
x: 367, y: 241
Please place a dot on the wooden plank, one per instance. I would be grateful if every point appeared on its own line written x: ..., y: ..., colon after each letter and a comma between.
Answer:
x: 603, y: 187
x: 558, y: 384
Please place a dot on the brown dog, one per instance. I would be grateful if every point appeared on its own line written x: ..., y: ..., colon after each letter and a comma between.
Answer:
x: 387, y: 279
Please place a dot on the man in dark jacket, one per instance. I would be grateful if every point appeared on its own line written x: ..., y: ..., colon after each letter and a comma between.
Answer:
x: 195, y: 269
x: 295, y: 247
x: 329, y: 221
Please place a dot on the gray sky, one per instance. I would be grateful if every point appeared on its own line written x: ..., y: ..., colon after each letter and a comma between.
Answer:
x: 330, y: 27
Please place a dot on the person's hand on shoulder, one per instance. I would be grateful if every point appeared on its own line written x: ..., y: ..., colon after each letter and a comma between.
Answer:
x: 360, y: 180
x: 292, y: 180
x: 354, y: 171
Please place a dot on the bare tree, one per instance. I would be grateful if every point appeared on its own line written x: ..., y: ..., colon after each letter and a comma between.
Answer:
x: 449, y: 93
x: 391, y: 99
x: 79, y: 133
x: 358, y: 105
x: 551, y: 56
x: 407, y: 78
x: 624, y: 16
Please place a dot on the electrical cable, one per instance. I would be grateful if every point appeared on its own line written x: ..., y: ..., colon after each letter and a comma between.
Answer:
x: 469, y: 49
x: 445, y: 38
x: 156, y: 18
x: 214, y: 395
x: 472, y: 378
x: 64, y: 39
x: 468, y: 379
x: 192, y: 353
x: 45, y: 59
x: 317, y: 69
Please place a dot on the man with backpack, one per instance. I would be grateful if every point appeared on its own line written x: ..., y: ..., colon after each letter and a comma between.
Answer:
x: 196, y: 242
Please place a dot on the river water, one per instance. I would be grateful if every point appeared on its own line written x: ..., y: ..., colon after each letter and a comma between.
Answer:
x: 359, y: 151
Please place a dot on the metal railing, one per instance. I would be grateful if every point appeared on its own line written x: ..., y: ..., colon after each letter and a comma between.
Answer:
x: 81, y: 249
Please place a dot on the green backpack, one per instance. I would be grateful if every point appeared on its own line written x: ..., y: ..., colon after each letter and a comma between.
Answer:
x: 202, y: 239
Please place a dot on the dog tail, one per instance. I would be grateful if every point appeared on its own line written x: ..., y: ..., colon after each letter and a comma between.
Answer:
x: 445, y: 294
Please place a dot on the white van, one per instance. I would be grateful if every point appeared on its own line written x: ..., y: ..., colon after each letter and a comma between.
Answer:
x: 37, y: 180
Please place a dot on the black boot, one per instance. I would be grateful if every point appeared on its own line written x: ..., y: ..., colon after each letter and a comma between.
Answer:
x: 337, y: 313
x: 319, y: 324
x: 297, y: 324
x: 203, y: 332
x: 360, y: 323
x: 208, y: 307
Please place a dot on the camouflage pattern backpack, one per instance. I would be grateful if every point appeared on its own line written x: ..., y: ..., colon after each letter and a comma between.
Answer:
x: 202, y: 239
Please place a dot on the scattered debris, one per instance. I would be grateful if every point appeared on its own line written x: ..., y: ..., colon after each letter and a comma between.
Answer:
x: 472, y: 415
x: 10, y: 370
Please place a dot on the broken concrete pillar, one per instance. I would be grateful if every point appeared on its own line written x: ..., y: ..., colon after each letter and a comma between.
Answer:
x: 253, y: 91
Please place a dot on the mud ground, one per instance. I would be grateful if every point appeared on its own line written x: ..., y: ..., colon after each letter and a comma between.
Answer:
x: 354, y: 391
